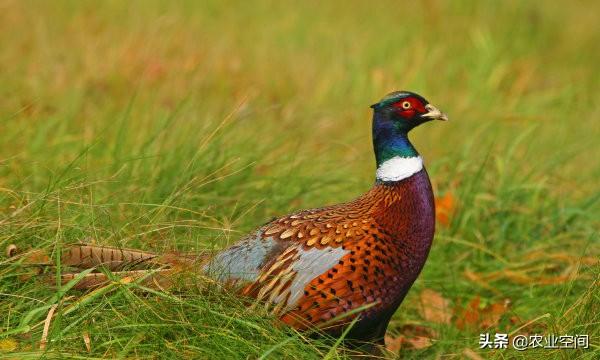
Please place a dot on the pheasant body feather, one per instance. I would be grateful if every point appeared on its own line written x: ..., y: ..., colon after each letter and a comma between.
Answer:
x: 316, y: 265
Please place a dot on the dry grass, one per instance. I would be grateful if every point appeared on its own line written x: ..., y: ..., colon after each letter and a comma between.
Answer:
x: 145, y: 124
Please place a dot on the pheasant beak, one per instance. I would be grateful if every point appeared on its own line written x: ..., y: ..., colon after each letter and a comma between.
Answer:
x: 434, y: 113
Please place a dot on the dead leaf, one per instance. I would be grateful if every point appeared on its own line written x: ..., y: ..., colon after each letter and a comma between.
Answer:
x: 37, y: 257
x: 492, y: 314
x: 475, y: 317
x: 418, y: 342
x: 468, y: 317
x: 434, y: 307
x: 411, y: 337
x: 87, y: 341
x: 393, y: 344
x: 444, y: 208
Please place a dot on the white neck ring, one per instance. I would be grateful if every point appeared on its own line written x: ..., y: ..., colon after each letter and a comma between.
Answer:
x: 398, y: 168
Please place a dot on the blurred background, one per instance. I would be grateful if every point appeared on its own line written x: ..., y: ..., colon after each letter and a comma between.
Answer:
x: 181, y: 126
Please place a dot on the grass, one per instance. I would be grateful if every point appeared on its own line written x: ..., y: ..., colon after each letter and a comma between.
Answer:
x: 163, y: 127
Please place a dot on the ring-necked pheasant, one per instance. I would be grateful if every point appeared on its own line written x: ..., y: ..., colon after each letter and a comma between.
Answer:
x: 324, y: 267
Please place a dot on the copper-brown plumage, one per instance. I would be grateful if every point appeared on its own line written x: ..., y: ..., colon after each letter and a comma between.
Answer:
x: 385, y: 253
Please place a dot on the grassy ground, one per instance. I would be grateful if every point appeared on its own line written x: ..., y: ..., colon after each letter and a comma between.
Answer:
x: 162, y: 127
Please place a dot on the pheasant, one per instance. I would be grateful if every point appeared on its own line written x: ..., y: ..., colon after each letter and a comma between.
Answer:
x: 324, y: 267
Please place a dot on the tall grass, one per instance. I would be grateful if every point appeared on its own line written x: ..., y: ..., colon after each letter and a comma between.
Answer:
x: 181, y: 127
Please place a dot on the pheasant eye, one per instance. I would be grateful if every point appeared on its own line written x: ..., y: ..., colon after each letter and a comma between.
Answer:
x: 406, y: 105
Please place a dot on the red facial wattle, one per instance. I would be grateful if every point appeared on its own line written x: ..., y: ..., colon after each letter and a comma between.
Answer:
x: 409, y: 107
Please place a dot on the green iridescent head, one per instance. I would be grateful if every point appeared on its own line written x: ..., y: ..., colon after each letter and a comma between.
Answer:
x: 393, y: 117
